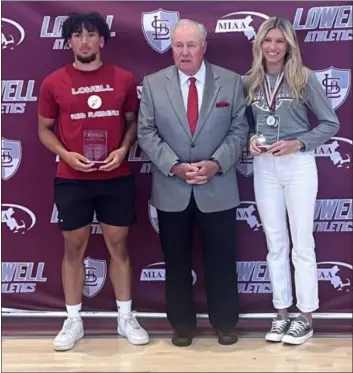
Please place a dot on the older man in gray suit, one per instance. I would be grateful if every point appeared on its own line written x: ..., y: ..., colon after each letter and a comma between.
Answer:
x: 192, y: 126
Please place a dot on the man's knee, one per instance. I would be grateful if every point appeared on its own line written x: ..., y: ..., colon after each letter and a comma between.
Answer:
x: 117, y: 243
x: 75, y: 245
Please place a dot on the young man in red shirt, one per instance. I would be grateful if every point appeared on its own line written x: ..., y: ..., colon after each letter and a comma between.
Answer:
x: 95, y: 106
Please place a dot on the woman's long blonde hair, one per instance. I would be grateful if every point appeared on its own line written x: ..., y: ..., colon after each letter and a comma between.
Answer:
x: 295, y: 73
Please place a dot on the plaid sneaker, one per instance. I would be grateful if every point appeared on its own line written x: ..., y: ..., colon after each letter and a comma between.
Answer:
x: 279, y: 328
x: 299, y: 331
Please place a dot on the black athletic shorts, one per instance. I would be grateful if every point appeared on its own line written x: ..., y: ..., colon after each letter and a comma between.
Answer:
x: 112, y: 200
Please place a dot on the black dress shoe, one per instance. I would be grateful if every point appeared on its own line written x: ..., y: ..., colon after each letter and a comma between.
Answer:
x: 182, y: 340
x: 228, y: 337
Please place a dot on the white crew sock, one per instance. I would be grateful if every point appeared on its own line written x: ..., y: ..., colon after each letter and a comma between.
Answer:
x: 74, y: 310
x: 124, y: 307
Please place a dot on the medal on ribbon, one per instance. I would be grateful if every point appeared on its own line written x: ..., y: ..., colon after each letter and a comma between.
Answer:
x: 270, y: 97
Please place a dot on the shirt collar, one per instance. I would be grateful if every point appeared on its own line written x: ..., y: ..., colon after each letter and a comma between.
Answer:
x: 200, y: 75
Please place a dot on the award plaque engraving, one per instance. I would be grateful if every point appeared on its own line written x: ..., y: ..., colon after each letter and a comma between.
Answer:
x: 95, y: 146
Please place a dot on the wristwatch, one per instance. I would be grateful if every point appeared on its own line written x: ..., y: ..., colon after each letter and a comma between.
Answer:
x: 300, y: 144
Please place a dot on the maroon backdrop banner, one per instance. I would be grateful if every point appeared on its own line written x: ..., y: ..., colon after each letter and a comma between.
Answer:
x: 32, y: 243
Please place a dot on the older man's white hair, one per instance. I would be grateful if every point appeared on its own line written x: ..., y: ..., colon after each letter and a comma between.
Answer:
x: 200, y: 27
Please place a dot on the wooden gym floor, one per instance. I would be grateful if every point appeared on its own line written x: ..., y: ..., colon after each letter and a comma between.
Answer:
x: 27, y: 347
x: 204, y: 355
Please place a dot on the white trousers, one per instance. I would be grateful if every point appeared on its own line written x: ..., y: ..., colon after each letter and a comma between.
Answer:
x: 288, y: 184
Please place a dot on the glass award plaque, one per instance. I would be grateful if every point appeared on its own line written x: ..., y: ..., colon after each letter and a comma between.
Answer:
x: 95, y: 145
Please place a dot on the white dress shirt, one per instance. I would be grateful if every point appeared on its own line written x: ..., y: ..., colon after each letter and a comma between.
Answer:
x: 200, y: 77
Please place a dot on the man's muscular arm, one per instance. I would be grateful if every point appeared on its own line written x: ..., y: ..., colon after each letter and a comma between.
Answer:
x: 117, y: 156
x: 131, y: 132
x: 48, y: 137
x: 51, y: 142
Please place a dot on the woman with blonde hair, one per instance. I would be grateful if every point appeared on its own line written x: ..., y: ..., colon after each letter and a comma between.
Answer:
x: 279, y: 91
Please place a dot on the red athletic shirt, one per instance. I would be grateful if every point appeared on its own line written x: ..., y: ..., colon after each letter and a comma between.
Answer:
x: 66, y: 95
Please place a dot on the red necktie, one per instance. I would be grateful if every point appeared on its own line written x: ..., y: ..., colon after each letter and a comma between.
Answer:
x: 193, y: 107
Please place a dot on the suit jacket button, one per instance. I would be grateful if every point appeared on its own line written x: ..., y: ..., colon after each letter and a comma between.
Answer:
x: 192, y: 145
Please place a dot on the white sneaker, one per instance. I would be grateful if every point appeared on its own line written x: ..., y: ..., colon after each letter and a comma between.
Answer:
x: 129, y: 327
x: 71, y: 332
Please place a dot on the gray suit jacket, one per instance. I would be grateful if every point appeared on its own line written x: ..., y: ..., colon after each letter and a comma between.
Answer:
x: 221, y: 134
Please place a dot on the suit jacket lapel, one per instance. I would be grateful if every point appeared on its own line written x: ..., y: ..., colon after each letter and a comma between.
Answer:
x: 211, y: 90
x: 176, y: 98
x: 210, y: 93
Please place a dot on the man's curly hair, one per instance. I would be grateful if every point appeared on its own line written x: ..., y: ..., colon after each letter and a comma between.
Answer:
x: 92, y: 22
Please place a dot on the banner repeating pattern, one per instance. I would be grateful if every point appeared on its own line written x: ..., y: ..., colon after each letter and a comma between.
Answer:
x: 32, y: 243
